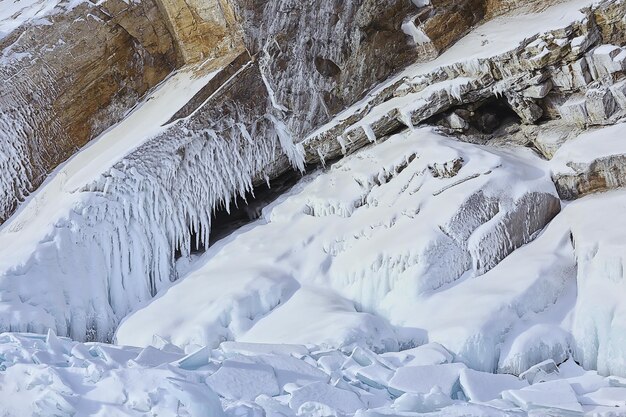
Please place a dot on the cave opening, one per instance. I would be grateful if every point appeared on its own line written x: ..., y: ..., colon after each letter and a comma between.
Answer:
x: 242, y: 212
x: 483, y: 119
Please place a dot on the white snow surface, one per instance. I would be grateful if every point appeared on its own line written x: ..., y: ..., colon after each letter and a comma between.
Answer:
x: 390, y: 284
x: 594, y: 144
x: 46, y: 375
x: 14, y: 13
x: 365, y: 252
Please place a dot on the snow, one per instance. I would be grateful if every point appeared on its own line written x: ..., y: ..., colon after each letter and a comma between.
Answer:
x: 589, y: 146
x: 428, y: 354
x: 554, y: 395
x: 257, y: 286
x: 391, y: 283
x: 417, y: 242
x: 493, y: 38
x: 526, y: 310
x: 422, y: 379
x: 599, y: 321
x: 481, y: 387
x: 108, y: 198
x: 98, y: 237
x: 14, y: 13
x: 78, y: 379
x: 322, y: 307
x: 345, y: 401
x: 250, y: 384
x: 243, y: 380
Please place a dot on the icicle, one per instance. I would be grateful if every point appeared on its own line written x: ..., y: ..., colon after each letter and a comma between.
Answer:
x: 295, y: 152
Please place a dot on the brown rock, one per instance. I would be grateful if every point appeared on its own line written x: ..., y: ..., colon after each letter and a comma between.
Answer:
x: 201, y: 28
x: 81, y: 76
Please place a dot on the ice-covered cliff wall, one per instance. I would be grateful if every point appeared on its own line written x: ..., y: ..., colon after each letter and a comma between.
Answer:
x: 69, y: 75
x: 122, y: 221
x: 113, y: 234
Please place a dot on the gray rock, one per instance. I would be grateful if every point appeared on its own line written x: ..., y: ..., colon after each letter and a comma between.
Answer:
x: 574, y: 110
x: 602, y: 174
x: 600, y: 105
x: 551, y: 136
x: 539, y: 90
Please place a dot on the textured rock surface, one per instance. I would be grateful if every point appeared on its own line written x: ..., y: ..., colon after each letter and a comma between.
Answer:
x: 67, y: 81
x: 570, y: 73
x: 317, y: 58
x: 202, y: 29
x: 314, y: 61
x: 592, y: 162
x: 132, y: 47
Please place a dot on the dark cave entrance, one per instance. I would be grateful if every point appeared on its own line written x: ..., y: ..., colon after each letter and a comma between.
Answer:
x: 242, y: 211
x: 483, y: 118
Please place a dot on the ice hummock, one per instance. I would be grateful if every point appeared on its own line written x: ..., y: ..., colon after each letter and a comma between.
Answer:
x: 52, y: 376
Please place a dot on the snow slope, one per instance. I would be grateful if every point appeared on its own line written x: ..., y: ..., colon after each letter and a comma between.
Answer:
x: 393, y: 230
x: 599, y: 323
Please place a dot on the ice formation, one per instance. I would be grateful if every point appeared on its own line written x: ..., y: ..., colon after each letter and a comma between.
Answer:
x: 47, y: 375
x: 418, y: 274
x: 91, y: 228
x: 396, y: 230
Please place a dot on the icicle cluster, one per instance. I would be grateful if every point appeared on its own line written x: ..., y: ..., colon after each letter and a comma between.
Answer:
x: 116, y: 247
x: 24, y: 132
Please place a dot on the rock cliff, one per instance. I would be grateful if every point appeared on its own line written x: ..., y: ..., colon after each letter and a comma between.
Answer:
x: 315, y: 59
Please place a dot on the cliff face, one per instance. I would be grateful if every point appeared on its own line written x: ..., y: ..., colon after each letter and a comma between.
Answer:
x: 67, y: 81
x: 318, y: 57
x: 202, y: 29
x: 314, y: 58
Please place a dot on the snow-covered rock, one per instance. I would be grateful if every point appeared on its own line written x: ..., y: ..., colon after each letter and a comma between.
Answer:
x: 591, y: 162
x: 417, y: 235
x: 598, y: 322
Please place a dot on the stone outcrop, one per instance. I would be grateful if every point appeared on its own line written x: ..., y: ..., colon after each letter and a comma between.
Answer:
x: 202, y: 29
x: 65, y: 82
x: 594, y: 161
x: 602, y: 174
x: 317, y: 58
x: 569, y: 74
